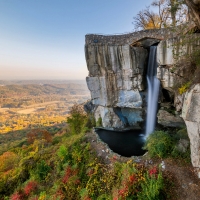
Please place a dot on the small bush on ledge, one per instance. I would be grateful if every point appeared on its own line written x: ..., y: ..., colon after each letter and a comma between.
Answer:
x: 99, y: 122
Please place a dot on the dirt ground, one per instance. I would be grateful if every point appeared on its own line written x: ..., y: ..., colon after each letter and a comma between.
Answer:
x: 182, y: 176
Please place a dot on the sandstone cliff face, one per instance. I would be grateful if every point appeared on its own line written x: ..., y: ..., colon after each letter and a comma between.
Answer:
x: 116, y: 82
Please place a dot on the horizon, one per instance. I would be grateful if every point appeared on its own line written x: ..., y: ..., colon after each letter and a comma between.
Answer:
x: 45, y: 39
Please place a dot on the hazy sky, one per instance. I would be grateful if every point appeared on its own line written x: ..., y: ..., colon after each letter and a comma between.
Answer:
x: 44, y: 39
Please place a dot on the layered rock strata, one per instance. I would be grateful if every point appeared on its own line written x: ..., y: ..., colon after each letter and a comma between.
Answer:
x: 116, y: 82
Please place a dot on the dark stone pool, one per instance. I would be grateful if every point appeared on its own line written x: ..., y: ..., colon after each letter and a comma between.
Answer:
x: 126, y: 143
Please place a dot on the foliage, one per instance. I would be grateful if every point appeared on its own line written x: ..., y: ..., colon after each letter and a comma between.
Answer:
x: 159, y: 144
x: 76, y: 173
x: 186, y: 55
x: 8, y: 161
x: 91, y: 122
x: 99, y: 122
x: 36, y: 134
x: 77, y: 119
x: 170, y: 13
x: 184, y: 87
x: 30, y: 187
x: 42, y: 169
x: 70, y: 169
x: 62, y: 153
x: 176, y: 152
x: 194, y: 8
x: 152, y: 186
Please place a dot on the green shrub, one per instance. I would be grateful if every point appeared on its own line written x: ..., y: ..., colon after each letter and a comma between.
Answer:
x: 184, y: 87
x: 182, y: 134
x: 42, y: 170
x: 99, y: 122
x: 159, y: 144
x: 62, y: 153
x: 91, y: 122
x: 152, y: 187
x: 56, y: 140
x: 176, y: 153
x: 77, y: 119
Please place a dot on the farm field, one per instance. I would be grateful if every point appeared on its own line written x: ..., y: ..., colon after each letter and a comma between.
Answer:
x: 32, y: 105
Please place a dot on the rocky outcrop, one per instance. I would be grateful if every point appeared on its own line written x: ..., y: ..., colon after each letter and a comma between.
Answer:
x: 169, y: 120
x: 169, y: 53
x: 117, y: 67
x: 187, y: 104
x: 116, y: 82
x: 191, y: 116
x: 140, y: 37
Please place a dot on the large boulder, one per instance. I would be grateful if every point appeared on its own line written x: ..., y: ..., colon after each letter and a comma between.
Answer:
x: 169, y: 120
x: 191, y: 116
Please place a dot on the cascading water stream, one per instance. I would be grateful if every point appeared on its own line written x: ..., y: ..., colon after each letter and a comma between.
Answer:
x: 153, y: 91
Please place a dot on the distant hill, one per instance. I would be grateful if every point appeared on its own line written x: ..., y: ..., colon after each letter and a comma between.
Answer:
x: 25, y: 82
x: 42, y: 89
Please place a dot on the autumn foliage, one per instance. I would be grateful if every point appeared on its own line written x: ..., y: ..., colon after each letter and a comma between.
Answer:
x: 7, y: 161
x: 36, y: 134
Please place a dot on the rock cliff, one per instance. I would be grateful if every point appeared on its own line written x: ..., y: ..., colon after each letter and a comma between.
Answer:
x: 117, y: 75
x: 116, y: 82
x: 187, y: 105
x: 191, y: 116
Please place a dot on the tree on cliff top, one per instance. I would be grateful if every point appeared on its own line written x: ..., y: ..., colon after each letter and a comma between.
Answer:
x: 169, y: 13
x: 148, y: 19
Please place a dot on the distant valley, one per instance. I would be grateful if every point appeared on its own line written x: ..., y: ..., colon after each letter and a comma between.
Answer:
x: 32, y: 104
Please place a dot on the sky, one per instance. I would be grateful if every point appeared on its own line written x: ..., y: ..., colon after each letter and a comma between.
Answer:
x: 44, y: 39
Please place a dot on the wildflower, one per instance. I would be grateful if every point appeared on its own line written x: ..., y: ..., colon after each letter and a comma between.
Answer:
x: 153, y: 171
x: 17, y: 196
x: 30, y: 187
x: 68, y: 173
x: 132, y: 178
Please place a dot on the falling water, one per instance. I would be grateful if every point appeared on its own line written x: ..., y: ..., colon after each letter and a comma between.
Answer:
x: 153, y: 91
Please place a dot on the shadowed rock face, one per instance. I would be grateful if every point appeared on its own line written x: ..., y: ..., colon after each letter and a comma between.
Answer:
x: 116, y: 80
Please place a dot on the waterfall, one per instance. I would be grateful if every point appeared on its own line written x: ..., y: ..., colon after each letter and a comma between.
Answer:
x: 153, y: 91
